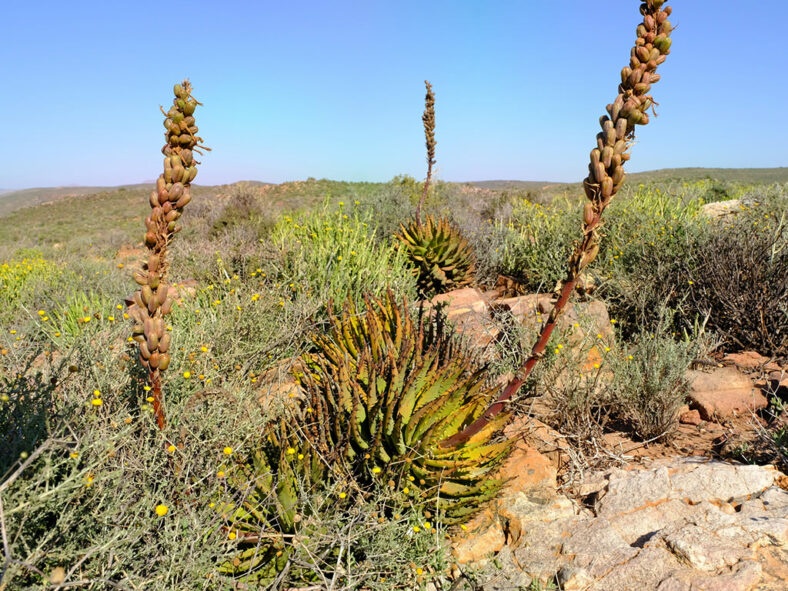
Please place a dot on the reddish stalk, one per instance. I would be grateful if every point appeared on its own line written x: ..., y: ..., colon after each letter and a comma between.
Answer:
x: 606, y: 175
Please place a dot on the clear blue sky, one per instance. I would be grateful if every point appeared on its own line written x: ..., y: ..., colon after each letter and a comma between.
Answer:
x: 334, y: 89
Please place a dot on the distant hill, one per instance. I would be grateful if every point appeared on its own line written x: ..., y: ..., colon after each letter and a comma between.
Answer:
x: 740, y: 175
x: 12, y: 200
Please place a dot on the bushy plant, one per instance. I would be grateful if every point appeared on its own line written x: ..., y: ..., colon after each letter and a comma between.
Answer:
x: 330, y: 254
x: 740, y: 279
x: 22, y: 280
x: 650, y: 384
x: 533, y: 245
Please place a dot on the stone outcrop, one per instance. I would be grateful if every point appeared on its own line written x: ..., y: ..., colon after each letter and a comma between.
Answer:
x: 723, y: 392
x: 685, y: 524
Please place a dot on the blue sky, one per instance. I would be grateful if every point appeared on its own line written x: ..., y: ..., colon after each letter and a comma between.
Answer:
x: 335, y: 89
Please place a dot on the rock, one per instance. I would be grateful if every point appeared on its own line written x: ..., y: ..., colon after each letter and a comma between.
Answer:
x: 684, y: 524
x: 750, y: 360
x: 628, y: 491
x: 777, y: 383
x: 722, y: 393
x: 691, y: 417
x: 468, y: 310
x: 483, y: 538
x: 530, y: 477
x: 461, y: 301
x: 278, y: 384
x: 574, y: 579
x: 187, y: 287
x: 721, y: 209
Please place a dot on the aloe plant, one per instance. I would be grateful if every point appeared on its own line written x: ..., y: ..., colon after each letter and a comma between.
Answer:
x: 384, y: 390
x: 263, y: 511
x: 441, y: 257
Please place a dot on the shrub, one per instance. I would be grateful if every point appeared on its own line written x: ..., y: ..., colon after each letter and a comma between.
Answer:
x: 533, y: 246
x: 649, y: 380
x: 331, y: 255
x: 740, y: 279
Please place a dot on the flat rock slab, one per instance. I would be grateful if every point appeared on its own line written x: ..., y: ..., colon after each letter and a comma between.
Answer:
x: 687, y: 524
x: 723, y: 392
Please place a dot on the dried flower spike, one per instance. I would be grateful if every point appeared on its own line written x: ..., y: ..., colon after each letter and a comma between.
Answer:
x: 606, y: 174
x: 153, y: 301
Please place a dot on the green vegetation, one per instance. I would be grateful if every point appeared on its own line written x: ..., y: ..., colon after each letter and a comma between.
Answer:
x: 302, y: 444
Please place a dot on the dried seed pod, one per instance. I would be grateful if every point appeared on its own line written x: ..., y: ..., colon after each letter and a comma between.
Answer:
x: 140, y: 277
x: 588, y: 213
x: 164, y: 361
x: 152, y: 340
x: 184, y: 201
x: 164, y: 342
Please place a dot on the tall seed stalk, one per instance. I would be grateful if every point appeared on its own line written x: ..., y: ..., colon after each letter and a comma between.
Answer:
x: 428, y: 118
x: 153, y: 301
x: 606, y: 175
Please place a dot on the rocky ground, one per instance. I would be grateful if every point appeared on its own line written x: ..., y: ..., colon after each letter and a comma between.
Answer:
x: 672, y: 516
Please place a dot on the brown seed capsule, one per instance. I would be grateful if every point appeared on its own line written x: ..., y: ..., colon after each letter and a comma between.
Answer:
x: 154, y: 360
x: 150, y: 239
x: 190, y: 107
x: 152, y: 341
x: 164, y: 342
x: 173, y: 215
x: 177, y: 173
x: 154, y: 199
x: 166, y: 307
x: 596, y: 157
x: 607, y: 155
x: 187, y: 156
x: 621, y: 128
x: 184, y: 201
x: 164, y: 361
x: 625, y: 73
x: 147, y: 294
x: 607, y: 188
x: 144, y: 351
x: 588, y: 213
x: 138, y: 329
x: 599, y: 172
x: 140, y: 277
x: 166, y: 208
x: 161, y: 296
x: 153, y: 263
x: 176, y: 192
